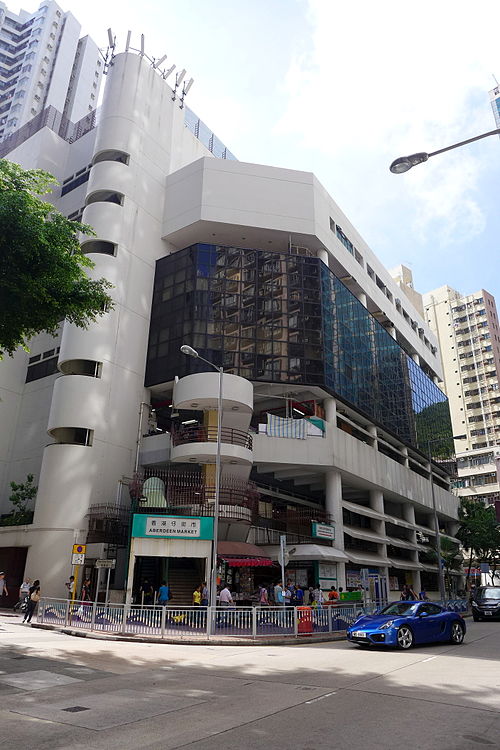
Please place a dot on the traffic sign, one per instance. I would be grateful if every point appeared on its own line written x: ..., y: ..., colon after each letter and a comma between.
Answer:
x: 77, y: 559
x: 79, y: 549
x: 110, y: 564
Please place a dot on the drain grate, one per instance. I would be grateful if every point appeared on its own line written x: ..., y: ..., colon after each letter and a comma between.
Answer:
x: 75, y: 709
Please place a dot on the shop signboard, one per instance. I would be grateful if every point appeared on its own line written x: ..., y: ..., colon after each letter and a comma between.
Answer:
x: 173, y: 527
x: 323, y: 531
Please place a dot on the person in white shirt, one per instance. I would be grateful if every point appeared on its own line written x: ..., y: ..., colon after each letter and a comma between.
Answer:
x: 3, y: 585
x: 24, y: 590
x: 225, y: 598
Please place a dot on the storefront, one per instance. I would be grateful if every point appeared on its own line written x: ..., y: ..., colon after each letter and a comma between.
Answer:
x: 245, y: 567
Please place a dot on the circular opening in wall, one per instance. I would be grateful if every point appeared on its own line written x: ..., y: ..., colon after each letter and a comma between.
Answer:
x: 234, y: 408
x: 193, y: 460
x: 194, y: 405
x: 233, y: 462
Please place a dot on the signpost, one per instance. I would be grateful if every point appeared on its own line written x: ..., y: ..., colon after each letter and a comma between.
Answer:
x: 77, y: 559
x: 108, y: 565
x: 283, y: 561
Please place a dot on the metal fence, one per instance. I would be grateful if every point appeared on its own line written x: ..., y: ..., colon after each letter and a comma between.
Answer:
x: 186, y: 622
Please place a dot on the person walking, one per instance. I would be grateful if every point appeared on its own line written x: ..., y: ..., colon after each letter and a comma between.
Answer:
x: 3, y: 586
x: 278, y: 594
x: 70, y: 585
x: 333, y: 594
x: 197, y: 597
x: 204, y: 594
x: 225, y: 598
x: 24, y: 590
x: 164, y: 594
x: 85, y: 592
x: 298, y: 597
x: 263, y: 596
x: 146, y: 592
x: 34, y: 598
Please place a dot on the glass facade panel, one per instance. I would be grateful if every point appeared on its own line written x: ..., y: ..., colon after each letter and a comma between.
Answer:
x: 284, y: 318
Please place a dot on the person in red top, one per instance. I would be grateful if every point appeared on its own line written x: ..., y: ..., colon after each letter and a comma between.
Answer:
x: 333, y: 594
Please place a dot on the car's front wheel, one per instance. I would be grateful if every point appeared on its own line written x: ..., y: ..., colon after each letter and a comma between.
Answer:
x: 457, y: 633
x: 405, y: 637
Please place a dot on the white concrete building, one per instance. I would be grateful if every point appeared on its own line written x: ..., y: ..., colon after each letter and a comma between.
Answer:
x: 468, y: 331
x: 329, y: 396
x: 45, y: 66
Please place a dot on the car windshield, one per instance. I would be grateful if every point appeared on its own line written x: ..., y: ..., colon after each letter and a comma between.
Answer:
x: 489, y: 593
x: 398, y: 608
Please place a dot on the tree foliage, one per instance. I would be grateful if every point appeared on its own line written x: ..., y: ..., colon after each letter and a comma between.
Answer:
x: 42, y: 267
x: 479, y: 532
x: 21, y: 497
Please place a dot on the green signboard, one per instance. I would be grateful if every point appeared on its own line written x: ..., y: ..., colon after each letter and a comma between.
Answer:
x: 172, y: 527
x: 323, y: 531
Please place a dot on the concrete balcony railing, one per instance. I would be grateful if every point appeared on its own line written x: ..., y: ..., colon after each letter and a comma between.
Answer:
x: 202, y: 434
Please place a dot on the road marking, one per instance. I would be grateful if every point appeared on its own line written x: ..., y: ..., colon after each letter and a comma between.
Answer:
x: 429, y: 659
x: 320, y: 698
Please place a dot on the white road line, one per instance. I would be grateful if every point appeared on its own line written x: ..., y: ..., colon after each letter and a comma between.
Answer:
x: 320, y: 698
x: 429, y: 659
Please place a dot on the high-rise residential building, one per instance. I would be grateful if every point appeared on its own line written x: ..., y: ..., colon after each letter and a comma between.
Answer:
x: 468, y: 332
x: 44, y: 63
x: 330, y: 392
x: 495, y: 104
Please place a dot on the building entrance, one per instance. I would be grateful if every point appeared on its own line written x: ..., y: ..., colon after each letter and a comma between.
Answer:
x: 182, y: 574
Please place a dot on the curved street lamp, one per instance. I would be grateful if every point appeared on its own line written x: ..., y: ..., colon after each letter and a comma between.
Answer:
x: 404, y: 163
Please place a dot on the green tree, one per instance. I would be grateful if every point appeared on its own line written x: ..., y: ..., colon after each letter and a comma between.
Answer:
x: 21, y: 497
x: 42, y: 267
x: 479, y: 533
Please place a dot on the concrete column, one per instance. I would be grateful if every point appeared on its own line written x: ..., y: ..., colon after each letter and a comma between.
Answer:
x: 377, y: 501
x: 330, y: 407
x: 362, y: 298
x: 373, y: 432
x: 416, y: 358
x: 333, y: 506
x: 404, y: 451
x: 392, y: 331
x: 417, y: 582
x: 323, y: 255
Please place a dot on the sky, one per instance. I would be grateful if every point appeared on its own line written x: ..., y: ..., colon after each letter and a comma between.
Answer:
x: 341, y: 89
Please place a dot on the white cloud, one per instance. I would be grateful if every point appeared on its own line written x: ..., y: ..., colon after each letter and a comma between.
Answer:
x: 389, y: 78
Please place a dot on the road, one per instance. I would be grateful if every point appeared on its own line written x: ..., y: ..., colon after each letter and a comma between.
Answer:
x: 304, y: 697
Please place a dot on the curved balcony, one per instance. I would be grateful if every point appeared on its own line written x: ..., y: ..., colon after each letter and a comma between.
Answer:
x: 202, y: 434
x: 198, y: 444
x: 185, y: 494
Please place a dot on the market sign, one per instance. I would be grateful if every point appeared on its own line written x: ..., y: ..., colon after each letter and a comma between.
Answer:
x: 173, y: 527
x: 323, y: 531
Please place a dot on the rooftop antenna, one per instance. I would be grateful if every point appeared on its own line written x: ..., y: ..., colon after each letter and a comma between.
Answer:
x: 142, y: 45
x: 107, y: 56
x: 111, y: 39
x: 178, y: 80
x: 160, y: 61
x: 185, y: 89
x: 127, y: 44
x: 166, y: 73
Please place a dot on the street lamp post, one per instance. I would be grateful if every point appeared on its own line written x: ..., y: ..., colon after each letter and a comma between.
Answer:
x: 442, y: 589
x: 404, y: 163
x: 190, y: 352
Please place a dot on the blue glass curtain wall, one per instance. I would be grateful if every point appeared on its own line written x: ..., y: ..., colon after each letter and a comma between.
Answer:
x: 278, y: 317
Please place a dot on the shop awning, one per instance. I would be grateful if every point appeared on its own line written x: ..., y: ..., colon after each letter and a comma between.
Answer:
x: 243, y: 555
x: 368, y: 561
x: 246, y: 562
x: 406, y: 565
x: 320, y: 552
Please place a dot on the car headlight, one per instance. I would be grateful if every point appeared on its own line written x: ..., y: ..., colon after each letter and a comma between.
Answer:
x: 387, y: 624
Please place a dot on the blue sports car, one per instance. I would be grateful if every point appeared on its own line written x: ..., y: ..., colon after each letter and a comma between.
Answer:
x: 403, y: 624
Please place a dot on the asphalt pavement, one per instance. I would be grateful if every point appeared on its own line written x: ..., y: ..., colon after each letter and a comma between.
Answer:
x: 62, y: 692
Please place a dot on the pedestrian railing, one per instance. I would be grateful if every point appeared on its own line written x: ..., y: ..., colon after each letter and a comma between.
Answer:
x: 182, y: 622
x: 185, y: 622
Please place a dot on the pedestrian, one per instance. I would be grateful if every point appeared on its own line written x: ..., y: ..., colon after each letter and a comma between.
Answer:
x: 85, y: 592
x: 318, y: 596
x: 146, y: 592
x: 70, y: 585
x: 204, y: 594
x: 164, y: 594
x: 287, y: 594
x: 298, y: 597
x: 225, y: 598
x: 278, y: 594
x: 263, y: 597
x: 197, y: 597
x: 423, y: 595
x: 333, y: 594
x: 24, y: 590
x: 310, y: 596
x: 34, y: 598
x: 3, y: 585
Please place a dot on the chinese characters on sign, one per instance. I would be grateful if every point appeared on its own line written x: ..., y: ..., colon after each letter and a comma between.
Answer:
x: 177, y: 527
x: 323, y: 531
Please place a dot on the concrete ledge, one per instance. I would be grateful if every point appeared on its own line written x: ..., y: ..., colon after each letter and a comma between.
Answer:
x: 276, y: 640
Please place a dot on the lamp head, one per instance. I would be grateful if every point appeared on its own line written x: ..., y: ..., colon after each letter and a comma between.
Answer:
x: 185, y: 349
x: 404, y: 163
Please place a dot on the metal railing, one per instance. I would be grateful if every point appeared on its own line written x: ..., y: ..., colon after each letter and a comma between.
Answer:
x: 203, y: 434
x: 186, y: 622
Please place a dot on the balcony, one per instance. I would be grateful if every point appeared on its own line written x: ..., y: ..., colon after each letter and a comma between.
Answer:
x: 202, y: 434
